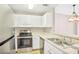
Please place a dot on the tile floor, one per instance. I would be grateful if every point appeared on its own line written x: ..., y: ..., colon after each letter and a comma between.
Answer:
x: 28, y: 51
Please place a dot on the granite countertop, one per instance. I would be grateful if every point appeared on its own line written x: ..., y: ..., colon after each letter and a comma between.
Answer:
x: 68, y: 49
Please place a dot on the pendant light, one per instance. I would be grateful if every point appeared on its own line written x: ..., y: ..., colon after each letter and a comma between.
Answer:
x: 74, y: 16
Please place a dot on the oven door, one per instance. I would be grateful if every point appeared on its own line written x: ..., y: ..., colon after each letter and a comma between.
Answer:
x: 24, y: 42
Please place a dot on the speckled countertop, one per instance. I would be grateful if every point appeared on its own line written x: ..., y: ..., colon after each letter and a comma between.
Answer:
x: 68, y: 49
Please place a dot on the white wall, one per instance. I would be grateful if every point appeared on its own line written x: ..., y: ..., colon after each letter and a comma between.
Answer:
x: 6, y: 21
x: 78, y: 28
x: 62, y: 25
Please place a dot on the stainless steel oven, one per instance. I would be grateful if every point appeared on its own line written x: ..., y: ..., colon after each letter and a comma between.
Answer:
x: 24, y: 42
x: 24, y: 39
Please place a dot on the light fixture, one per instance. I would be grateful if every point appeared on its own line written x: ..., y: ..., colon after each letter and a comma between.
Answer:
x: 30, y: 6
x: 74, y: 16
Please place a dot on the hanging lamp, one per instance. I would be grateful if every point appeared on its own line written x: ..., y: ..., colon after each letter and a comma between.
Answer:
x: 74, y: 16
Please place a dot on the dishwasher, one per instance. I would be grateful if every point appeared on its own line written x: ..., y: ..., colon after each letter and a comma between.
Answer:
x: 41, y: 45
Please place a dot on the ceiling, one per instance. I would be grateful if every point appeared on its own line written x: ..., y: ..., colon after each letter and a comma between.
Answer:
x: 40, y: 9
x: 66, y: 9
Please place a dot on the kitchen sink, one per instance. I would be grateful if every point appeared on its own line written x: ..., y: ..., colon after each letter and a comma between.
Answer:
x: 59, y: 42
x: 66, y: 46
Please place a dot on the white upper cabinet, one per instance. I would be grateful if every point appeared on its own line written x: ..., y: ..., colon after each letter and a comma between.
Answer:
x: 47, y: 19
x: 27, y: 21
x: 21, y: 20
x: 34, y: 21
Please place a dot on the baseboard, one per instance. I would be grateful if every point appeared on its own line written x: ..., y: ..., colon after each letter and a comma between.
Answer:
x: 35, y: 49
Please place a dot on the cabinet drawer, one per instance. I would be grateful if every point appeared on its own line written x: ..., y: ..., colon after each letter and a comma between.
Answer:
x: 54, y: 49
x: 50, y: 49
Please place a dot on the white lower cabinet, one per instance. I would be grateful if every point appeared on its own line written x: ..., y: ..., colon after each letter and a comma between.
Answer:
x: 36, y: 42
x: 50, y: 49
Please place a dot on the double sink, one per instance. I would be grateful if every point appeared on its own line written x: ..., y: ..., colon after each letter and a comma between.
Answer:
x: 60, y: 42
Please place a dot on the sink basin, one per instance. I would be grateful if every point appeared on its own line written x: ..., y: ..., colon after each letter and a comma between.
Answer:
x: 66, y: 46
x: 53, y: 39
x: 59, y: 42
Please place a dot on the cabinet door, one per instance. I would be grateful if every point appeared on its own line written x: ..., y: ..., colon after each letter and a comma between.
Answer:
x: 50, y: 49
x: 21, y: 20
x: 46, y: 48
x: 17, y: 20
x: 36, y: 42
x: 28, y: 20
x: 48, y: 20
x: 36, y: 20
x: 53, y: 49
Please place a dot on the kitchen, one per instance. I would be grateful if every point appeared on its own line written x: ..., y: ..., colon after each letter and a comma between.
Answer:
x: 43, y: 28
